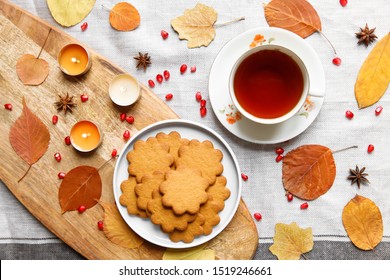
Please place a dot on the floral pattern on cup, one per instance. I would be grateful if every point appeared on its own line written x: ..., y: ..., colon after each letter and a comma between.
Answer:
x: 307, y: 107
x: 231, y: 113
x: 259, y: 40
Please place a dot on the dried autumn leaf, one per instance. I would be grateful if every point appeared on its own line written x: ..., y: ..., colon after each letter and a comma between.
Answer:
x: 124, y: 17
x: 291, y: 241
x: 196, y: 25
x: 297, y: 16
x: 374, y: 75
x: 31, y: 70
x: 363, y: 223
x: 70, y: 12
x: 116, y: 230
x: 81, y: 186
x: 29, y: 137
x: 308, y: 171
x: 196, y: 253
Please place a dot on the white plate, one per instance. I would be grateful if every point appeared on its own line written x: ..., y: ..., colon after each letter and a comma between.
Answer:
x: 219, y: 87
x: 190, y: 130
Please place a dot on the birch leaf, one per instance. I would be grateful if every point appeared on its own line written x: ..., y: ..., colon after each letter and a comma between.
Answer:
x: 70, y: 12
x: 31, y: 70
x: 196, y: 253
x: 124, y: 17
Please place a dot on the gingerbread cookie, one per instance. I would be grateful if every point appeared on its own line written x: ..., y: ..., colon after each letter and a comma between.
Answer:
x: 128, y: 197
x: 219, y: 192
x: 194, y: 229
x: 144, y: 190
x: 209, y: 211
x: 174, y: 140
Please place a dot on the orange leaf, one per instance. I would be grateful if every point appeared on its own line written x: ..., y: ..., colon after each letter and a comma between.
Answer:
x: 297, y: 16
x: 29, y: 137
x: 81, y: 186
x: 363, y: 223
x: 124, y: 17
x: 308, y: 171
x: 32, y: 71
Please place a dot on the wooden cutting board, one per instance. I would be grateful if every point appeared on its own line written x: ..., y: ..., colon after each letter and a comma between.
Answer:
x: 22, y: 33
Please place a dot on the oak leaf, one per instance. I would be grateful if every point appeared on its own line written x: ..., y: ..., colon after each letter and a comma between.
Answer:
x: 29, y: 137
x: 374, y: 75
x: 195, y: 253
x: 70, y: 12
x: 196, y: 25
x: 297, y: 16
x: 363, y: 223
x: 124, y: 17
x: 291, y: 241
x: 81, y: 186
x: 31, y: 70
x: 308, y: 171
x: 116, y: 230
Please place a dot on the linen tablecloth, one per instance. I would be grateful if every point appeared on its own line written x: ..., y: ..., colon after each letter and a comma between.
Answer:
x: 23, y: 237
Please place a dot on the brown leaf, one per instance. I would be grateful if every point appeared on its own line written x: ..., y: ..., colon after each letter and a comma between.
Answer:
x: 363, y: 223
x: 297, y: 16
x: 374, y: 75
x: 196, y: 25
x: 308, y: 171
x: 81, y: 186
x: 31, y: 70
x: 291, y: 241
x: 29, y: 137
x: 116, y: 230
x: 124, y: 17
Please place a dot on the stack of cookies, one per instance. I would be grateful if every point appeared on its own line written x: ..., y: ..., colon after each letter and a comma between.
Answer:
x: 177, y: 183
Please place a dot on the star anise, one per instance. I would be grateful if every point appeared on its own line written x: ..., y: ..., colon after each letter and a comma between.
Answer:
x: 358, y: 176
x: 143, y: 60
x: 65, y: 103
x: 366, y: 35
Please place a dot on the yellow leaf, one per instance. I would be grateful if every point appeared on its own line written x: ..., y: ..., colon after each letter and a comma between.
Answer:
x: 374, y: 75
x: 124, y: 17
x: 290, y: 241
x: 70, y: 12
x: 363, y: 223
x: 196, y: 253
x: 116, y: 230
x: 196, y: 25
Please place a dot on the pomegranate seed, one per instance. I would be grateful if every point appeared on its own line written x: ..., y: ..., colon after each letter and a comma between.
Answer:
x: 126, y: 134
x: 81, y: 209
x: 279, y: 158
x: 54, y: 119
x: 198, y: 96
x: 279, y: 151
x: 84, y: 26
x: 169, y: 96
x: 151, y: 83
x: 378, y: 110
x: 257, y: 216
x: 61, y: 175
x: 336, y: 61
x: 203, y: 111
x: 289, y: 197
x: 84, y: 97
x: 370, y: 148
x: 202, y: 103
x: 122, y: 117
x: 67, y: 140
x: 114, y: 153
x: 349, y: 114
x: 164, y: 34
x: 193, y: 69
x: 100, y: 225
x: 159, y: 78
x: 8, y: 106
x: 166, y: 75
x: 183, y: 68
x: 58, y: 157
x: 304, y: 206
x: 343, y: 3
x: 130, y: 119
x: 244, y: 177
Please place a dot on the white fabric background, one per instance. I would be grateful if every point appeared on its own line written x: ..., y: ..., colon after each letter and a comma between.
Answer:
x: 263, y: 192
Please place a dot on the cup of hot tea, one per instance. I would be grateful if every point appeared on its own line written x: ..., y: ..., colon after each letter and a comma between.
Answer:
x: 269, y: 84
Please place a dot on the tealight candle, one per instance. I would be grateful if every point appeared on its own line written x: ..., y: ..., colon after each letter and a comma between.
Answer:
x: 74, y: 60
x: 124, y: 90
x: 85, y: 136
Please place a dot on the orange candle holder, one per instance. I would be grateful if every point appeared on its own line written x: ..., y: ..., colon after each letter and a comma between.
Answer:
x: 85, y: 136
x: 74, y: 60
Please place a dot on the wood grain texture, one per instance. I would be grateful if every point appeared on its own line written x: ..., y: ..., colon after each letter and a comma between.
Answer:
x: 20, y: 33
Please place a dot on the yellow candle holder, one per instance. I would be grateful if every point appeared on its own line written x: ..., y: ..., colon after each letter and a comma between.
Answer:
x: 74, y: 60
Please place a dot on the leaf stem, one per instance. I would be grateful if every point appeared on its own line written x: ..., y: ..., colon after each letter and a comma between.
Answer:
x: 107, y: 161
x: 326, y: 38
x: 304, y: 256
x: 25, y: 173
x: 44, y: 43
x: 341, y: 150
x: 229, y: 22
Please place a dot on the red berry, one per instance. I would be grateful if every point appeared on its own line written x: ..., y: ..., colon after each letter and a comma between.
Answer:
x: 58, y: 157
x: 349, y: 114
x: 81, y: 209
x: 244, y: 177
x: 122, y: 117
x: 202, y: 103
x: 257, y: 216
x: 203, y: 111
x: 279, y: 151
x: 198, y: 96
x: 114, y: 153
x: 279, y: 158
x: 8, y: 106
x: 67, y: 140
x: 130, y: 119
x: 151, y: 83
x: 304, y: 205
x: 164, y: 34
x: 370, y: 148
x: 54, y: 119
x: 84, y: 97
x: 84, y: 26
x: 169, y: 96
x: 61, y: 175
x: 100, y: 225
x: 126, y: 134
x: 336, y: 61
x: 159, y: 78
x: 183, y: 68
x: 289, y: 197
x: 378, y: 110
x: 193, y: 69
x: 343, y: 3
x: 166, y: 75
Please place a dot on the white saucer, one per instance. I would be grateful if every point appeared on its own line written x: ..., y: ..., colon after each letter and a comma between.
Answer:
x: 223, y: 105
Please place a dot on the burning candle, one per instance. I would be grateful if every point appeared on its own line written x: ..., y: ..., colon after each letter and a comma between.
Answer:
x: 74, y: 60
x: 85, y: 136
x: 124, y: 90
